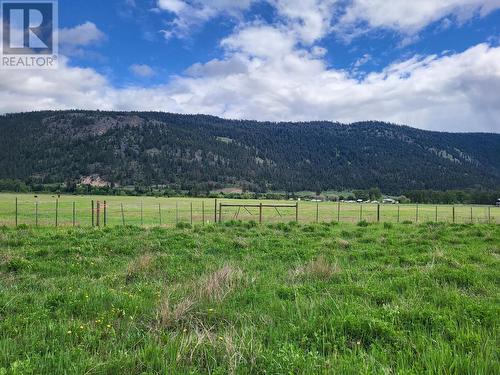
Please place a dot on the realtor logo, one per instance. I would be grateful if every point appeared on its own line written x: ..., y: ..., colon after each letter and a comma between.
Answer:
x: 29, y: 34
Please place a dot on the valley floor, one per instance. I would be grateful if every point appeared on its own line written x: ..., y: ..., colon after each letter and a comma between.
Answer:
x: 243, y: 298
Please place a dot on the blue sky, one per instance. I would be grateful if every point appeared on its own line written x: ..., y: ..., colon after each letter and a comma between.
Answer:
x: 429, y: 64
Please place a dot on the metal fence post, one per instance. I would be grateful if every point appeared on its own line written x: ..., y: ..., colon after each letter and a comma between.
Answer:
x: 297, y: 212
x: 57, y: 212
x: 36, y: 213
x: 416, y: 213
x: 215, y: 211
x: 453, y: 214
x: 203, y: 211
x: 489, y: 215
x: 159, y: 213
x: 378, y: 213
x: 220, y: 213
x: 399, y: 215
x: 98, y: 212
x: 123, y: 214
x: 338, y: 212
x: 176, y: 212
x: 361, y: 212
x: 471, y: 215
x: 317, y: 212
x: 260, y: 213
x: 436, y: 214
x: 74, y: 214
x: 191, y: 213
x: 92, y: 208
x: 142, y: 213
x: 105, y: 213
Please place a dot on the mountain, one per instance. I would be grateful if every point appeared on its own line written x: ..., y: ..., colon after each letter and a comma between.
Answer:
x: 148, y: 148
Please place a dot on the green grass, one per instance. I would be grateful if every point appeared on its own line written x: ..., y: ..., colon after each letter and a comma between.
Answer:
x: 242, y: 298
x: 175, y: 210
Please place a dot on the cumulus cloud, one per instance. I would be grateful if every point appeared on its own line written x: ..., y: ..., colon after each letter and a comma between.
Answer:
x: 142, y: 70
x: 73, y: 40
x: 454, y: 92
x: 409, y: 17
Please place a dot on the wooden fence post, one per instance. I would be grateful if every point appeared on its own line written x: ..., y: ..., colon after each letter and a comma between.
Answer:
x: 453, y: 214
x: 36, y: 213
x: 489, y: 215
x: 220, y: 213
x: 57, y: 212
x: 436, y: 214
x: 123, y: 214
x: 297, y: 212
x: 92, y: 213
x: 399, y: 215
x: 378, y: 213
x: 260, y: 213
x: 471, y: 215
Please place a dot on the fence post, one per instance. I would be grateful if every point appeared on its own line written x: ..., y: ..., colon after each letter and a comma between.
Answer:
x: 123, y: 214
x: 159, y: 213
x: 142, y: 213
x: 260, y: 213
x: 361, y: 212
x: 191, y: 213
x: 17, y: 213
x: 378, y: 213
x: 297, y: 212
x: 176, y: 213
x: 92, y: 213
x: 215, y: 211
x: 453, y: 214
x: 74, y: 214
x: 436, y: 214
x: 338, y: 211
x: 416, y: 213
x: 220, y: 213
x: 489, y: 215
x: 36, y: 213
x: 317, y: 212
x: 203, y: 211
x: 399, y: 216
x: 105, y: 213
x: 471, y: 215
x: 98, y: 212
x: 57, y: 212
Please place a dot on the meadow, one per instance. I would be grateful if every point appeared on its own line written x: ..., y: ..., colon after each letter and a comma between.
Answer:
x: 66, y: 210
x: 242, y: 298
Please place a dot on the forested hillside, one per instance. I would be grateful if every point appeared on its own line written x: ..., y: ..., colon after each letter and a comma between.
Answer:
x: 186, y: 150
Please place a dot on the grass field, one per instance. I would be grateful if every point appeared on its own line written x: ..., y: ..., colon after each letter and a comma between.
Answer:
x: 243, y: 298
x: 170, y: 211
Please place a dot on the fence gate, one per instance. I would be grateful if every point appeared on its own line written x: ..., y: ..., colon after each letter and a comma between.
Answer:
x: 256, y: 211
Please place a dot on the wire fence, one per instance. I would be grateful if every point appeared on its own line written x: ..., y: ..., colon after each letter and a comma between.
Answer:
x: 170, y: 212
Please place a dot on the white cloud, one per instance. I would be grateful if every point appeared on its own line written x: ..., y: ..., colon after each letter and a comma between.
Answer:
x: 410, y: 17
x: 142, y: 70
x: 74, y: 40
x: 454, y: 92
x: 191, y: 14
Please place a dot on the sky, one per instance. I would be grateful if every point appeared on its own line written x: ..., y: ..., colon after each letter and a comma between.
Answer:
x: 430, y: 64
